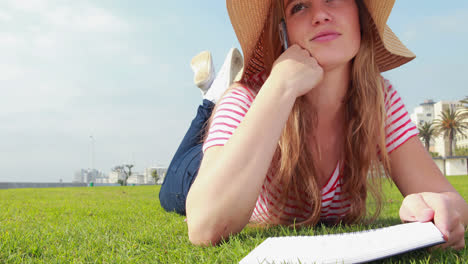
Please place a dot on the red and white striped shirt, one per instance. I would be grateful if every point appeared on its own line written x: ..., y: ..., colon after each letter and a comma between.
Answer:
x: 230, y: 112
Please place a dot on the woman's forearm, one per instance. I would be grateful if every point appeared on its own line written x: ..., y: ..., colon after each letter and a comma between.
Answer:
x: 224, y: 194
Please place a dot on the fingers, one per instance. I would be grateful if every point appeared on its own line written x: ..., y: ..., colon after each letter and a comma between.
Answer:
x: 456, y: 234
x: 456, y: 239
x: 444, y: 218
x: 296, y: 71
x: 415, y: 208
x: 302, y: 55
x: 459, y: 232
x: 424, y: 207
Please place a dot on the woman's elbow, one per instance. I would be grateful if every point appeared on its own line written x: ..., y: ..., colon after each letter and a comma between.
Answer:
x: 200, y: 236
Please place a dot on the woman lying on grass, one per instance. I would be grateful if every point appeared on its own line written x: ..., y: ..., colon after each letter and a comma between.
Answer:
x: 306, y: 133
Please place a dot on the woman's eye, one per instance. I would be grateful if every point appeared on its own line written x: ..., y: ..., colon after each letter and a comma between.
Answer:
x: 297, y: 7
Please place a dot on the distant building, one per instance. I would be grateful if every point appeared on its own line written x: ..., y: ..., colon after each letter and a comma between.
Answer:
x: 115, y: 176
x: 423, y: 113
x: 453, y: 165
x: 136, y: 178
x: 78, y: 177
x: 161, y: 173
x: 87, y: 176
x: 462, y: 141
x: 428, y: 112
x: 148, y: 175
x: 102, y: 179
x: 95, y: 176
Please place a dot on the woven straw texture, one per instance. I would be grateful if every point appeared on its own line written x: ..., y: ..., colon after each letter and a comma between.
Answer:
x: 248, y: 18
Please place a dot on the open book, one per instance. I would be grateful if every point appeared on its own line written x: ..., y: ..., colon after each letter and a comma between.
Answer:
x: 348, y: 247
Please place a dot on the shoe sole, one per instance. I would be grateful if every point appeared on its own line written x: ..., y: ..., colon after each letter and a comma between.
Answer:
x: 201, y: 66
x: 237, y: 65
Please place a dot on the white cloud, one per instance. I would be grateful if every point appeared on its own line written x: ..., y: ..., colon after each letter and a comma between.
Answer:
x: 67, y: 71
x: 8, y: 40
x: 70, y: 15
x: 85, y: 19
x: 46, y: 47
x: 30, y: 5
x: 139, y: 60
x: 5, y: 16
x: 46, y: 41
x: 10, y: 72
x: 96, y: 19
x: 57, y: 29
x: 27, y: 90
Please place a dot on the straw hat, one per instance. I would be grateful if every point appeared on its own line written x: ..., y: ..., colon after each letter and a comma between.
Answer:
x: 249, y: 17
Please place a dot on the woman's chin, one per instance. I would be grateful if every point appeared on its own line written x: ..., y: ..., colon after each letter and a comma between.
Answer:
x: 329, y: 65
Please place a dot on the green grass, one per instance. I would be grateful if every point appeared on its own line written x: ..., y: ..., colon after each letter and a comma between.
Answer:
x: 127, y: 225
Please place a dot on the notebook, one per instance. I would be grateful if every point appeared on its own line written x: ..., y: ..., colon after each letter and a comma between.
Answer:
x: 353, y: 247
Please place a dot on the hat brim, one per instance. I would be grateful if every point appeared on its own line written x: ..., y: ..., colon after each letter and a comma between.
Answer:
x: 249, y: 17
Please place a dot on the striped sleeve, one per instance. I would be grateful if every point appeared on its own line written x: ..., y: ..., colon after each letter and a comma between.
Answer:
x: 230, y: 111
x: 399, y: 127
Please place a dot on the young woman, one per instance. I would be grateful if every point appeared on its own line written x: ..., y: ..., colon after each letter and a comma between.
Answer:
x: 307, y: 132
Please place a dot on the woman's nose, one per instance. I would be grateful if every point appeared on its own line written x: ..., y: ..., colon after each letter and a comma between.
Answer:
x: 320, y: 15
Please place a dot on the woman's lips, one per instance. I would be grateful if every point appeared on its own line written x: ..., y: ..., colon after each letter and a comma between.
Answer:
x: 326, y: 36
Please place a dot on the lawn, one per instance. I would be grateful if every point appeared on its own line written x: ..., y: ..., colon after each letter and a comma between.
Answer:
x: 127, y: 225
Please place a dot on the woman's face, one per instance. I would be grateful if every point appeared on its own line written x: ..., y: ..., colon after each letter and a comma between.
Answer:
x: 328, y: 29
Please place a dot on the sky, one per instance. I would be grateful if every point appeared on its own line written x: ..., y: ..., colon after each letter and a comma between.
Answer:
x: 106, y: 82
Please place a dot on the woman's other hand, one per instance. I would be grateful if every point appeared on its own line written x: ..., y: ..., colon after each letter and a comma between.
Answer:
x: 297, y: 70
x: 437, y: 207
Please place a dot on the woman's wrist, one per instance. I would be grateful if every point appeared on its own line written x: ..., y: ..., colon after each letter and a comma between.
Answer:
x: 279, y: 88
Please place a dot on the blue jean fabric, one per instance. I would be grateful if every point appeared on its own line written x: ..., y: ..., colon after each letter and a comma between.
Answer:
x: 184, y: 166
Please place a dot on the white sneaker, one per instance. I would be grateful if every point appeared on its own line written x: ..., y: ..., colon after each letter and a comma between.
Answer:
x: 203, y: 69
x: 231, y: 67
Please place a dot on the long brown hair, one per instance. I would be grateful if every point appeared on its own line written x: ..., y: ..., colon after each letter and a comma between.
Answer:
x: 365, y: 156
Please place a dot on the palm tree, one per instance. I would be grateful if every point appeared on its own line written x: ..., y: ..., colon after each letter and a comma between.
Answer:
x: 465, y: 107
x: 426, y: 133
x: 450, y: 124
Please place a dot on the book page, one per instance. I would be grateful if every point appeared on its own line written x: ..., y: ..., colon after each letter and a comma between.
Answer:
x: 347, y: 247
